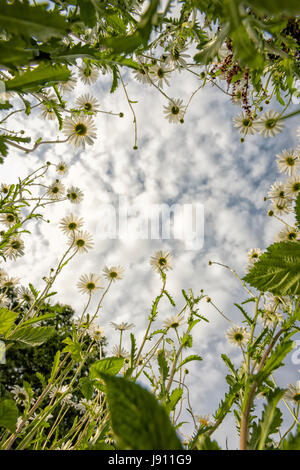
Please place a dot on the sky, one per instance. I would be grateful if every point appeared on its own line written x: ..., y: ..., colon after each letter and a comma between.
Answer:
x: 199, y: 162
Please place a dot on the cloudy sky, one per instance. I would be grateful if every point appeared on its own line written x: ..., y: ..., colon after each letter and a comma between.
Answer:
x: 199, y: 162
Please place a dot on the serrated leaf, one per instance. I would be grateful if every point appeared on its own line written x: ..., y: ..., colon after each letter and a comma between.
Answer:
x: 277, y: 270
x: 269, y: 423
x: 276, y: 6
x: 192, y: 357
x: 86, y: 387
x: 29, y: 336
x: 29, y: 20
x: 292, y: 442
x: 54, y: 366
x: 173, y: 399
x: 108, y: 365
x: 8, y: 414
x: 7, y: 320
x: 42, y: 75
x: 138, y: 420
x: 297, y: 210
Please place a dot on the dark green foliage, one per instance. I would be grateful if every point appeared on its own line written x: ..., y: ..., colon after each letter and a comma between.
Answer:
x: 138, y: 420
x: 277, y: 270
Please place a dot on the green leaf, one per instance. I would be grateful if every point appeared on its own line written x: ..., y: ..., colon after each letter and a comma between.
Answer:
x: 192, y: 357
x: 271, y: 419
x: 297, y: 210
x: 243, y: 311
x: 87, y: 12
x: 138, y: 420
x: 274, y: 361
x: 54, y: 366
x: 292, y: 442
x: 30, y: 336
x: 38, y: 319
x: 173, y: 400
x: 130, y: 42
x: 8, y: 415
x: 86, y: 387
x: 7, y: 320
x: 42, y: 75
x: 279, y: 7
x: 28, y: 20
x: 108, y: 365
x: 277, y: 270
x: 205, y: 443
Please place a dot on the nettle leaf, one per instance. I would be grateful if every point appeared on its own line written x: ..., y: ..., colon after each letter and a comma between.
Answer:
x: 29, y: 336
x: 28, y: 20
x: 7, y: 320
x: 138, y: 420
x: 86, y: 387
x: 277, y: 270
x: 276, y: 6
x: 42, y: 75
x: 297, y: 210
x: 211, y: 49
x: 8, y: 414
x: 108, y: 365
x: 87, y: 12
x: 130, y: 42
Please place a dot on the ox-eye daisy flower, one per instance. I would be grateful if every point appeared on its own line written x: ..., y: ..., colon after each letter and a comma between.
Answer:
x: 8, y: 219
x: 245, y: 124
x: 70, y: 224
x: 88, y: 74
x: 25, y: 294
x: 174, y: 321
x: 88, y: 283
x: 119, y: 352
x: 293, y: 393
x: 58, y: 392
x: 160, y: 75
x: 174, y: 111
x: 253, y: 256
x: 277, y: 192
x: 115, y: 273
x: 96, y: 332
x: 237, y: 335
x: 61, y: 168
x: 14, y: 248
x: 20, y: 394
x: 56, y: 190
x: 177, y: 57
x: 81, y: 241
x: 74, y: 194
x: 269, y: 124
x: 281, y: 207
x: 88, y: 103
x: 141, y: 74
x: 69, y: 85
x: 292, y: 185
x: 4, y: 300
x: 288, y: 234
x: 161, y: 261
x: 288, y: 162
x: 269, y: 316
x: 8, y: 282
x: 4, y: 188
x: 80, y: 130
x: 122, y: 326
